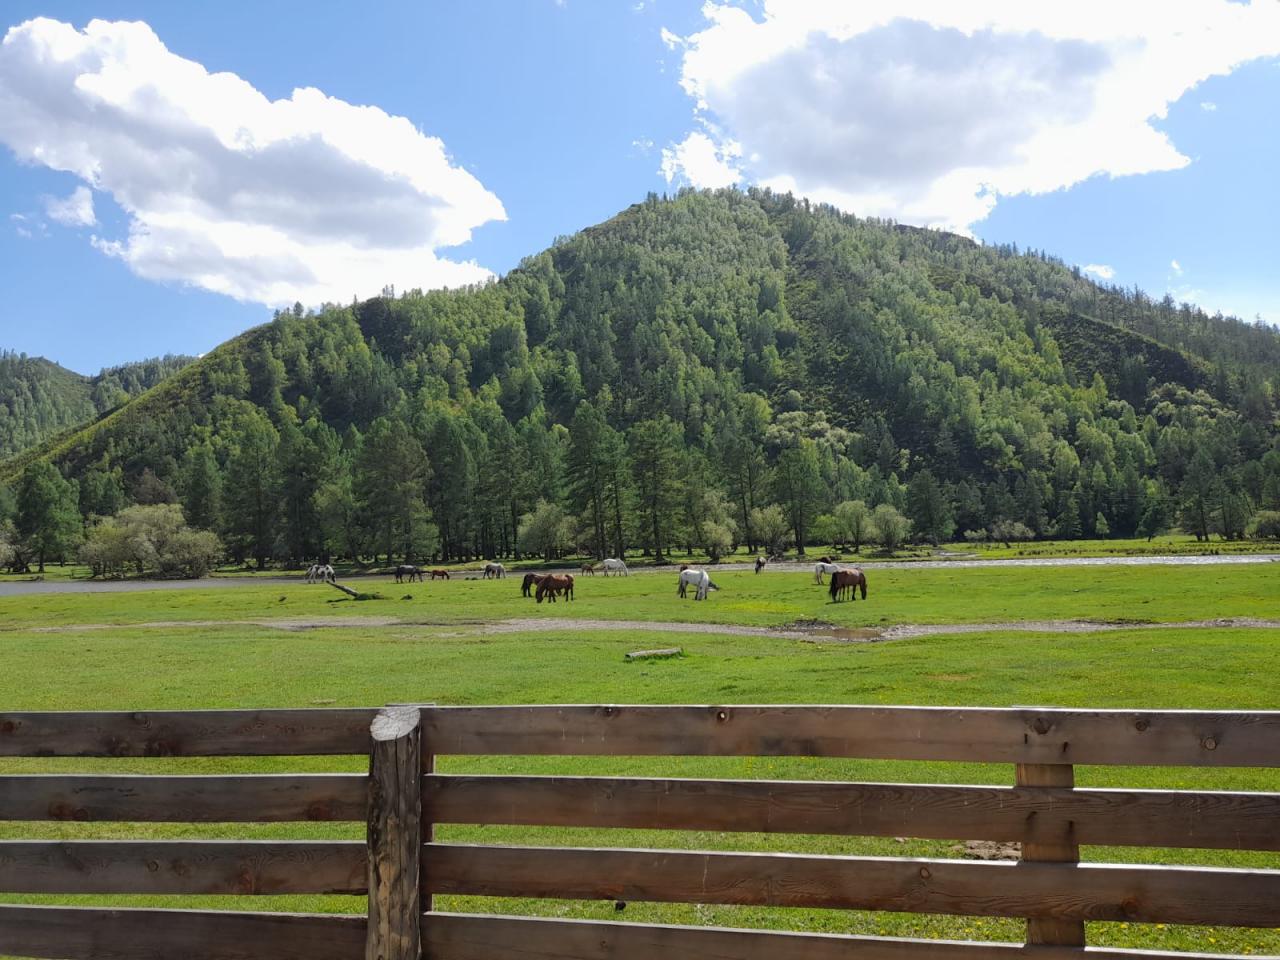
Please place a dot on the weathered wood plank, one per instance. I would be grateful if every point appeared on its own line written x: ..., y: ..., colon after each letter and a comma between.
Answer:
x: 186, y: 733
x: 453, y: 936
x: 191, y: 799
x: 81, y: 933
x: 1244, y: 898
x: 1014, y: 735
x: 1157, y: 818
x: 394, y: 836
x: 1057, y: 846
x: 182, y: 867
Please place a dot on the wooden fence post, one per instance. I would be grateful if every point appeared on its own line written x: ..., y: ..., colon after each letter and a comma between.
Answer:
x: 395, y: 836
x: 1068, y: 933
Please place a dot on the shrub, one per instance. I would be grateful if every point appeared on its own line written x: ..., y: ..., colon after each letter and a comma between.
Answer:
x: 1265, y: 526
x: 150, y: 539
x: 891, y: 527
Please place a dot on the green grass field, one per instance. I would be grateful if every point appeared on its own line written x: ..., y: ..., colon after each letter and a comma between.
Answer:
x: 59, y: 655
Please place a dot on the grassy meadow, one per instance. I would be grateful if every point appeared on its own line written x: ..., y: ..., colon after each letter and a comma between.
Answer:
x: 298, y: 645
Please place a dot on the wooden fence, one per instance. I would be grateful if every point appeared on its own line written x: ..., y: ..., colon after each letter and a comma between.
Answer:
x: 401, y: 866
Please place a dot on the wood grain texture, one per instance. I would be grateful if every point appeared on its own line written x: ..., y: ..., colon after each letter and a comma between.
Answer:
x: 452, y: 936
x: 186, y: 733
x: 189, y: 799
x: 1056, y: 846
x: 394, y: 836
x: 181, y: 867
x: 1014, y: 735
x: 81, y: 933
x: 1244, y: 898
x: 1157, y: 818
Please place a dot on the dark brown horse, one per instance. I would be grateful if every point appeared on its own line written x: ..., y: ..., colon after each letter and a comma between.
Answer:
x: 850, y: 579
x: 554, y: 583
x: 439, y: 574
x: 531, y: 580
x: 589, y: 569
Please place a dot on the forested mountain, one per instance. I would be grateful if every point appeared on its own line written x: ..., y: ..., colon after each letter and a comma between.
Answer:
x: 39, y: 399
x: 689, y: 371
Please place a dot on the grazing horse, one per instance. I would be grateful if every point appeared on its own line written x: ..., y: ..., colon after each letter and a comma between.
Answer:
x: 700, y: 580
x: 850, y: 579
x: 493, y: 570
x: 821, y: 567
x: 321, y: 573
x: 554, y: 583
x: 439, y: 574
x: 408, y: 570
x: 760, y: 562
x: 531, y: 580
x: 614, y: 565
x: 589, y: 569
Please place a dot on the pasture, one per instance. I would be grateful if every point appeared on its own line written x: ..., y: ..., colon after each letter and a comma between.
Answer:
x: 479, y: 642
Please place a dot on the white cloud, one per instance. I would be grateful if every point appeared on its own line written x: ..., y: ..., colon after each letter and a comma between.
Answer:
x: 309, y: 198
x: 1208, y: 106
x: 1176, y: 267
x: 73, y: 211
x: 1100, y: 270
x: 928, y: 111
x: 702, y: 161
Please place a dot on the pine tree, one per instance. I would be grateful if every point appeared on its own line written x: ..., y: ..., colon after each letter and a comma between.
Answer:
x: 48, y: 512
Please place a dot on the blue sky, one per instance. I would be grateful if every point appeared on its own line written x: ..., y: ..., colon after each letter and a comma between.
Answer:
x: 535, y: 118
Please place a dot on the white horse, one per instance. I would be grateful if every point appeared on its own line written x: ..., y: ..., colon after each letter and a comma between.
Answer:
x: 617, y: 566
x: 700, y: 580
x: 321, y: 573
x: 494, y: 570
x: 820, y: 568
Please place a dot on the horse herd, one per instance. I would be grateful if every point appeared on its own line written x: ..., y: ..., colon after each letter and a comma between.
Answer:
x: 845, y: 581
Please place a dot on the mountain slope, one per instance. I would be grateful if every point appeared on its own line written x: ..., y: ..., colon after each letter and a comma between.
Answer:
x: 38, y: 398
x: 755, y: 339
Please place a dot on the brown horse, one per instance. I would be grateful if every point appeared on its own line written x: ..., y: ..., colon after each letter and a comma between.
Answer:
x: 439, y: 574
x: 589, y: 569
x: 554, y: 583
x: 849, y: 579
x: 531, y: 580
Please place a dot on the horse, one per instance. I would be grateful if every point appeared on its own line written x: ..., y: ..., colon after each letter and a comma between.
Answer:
x: 850, y: 579
x: 439, y: 574
x: 494, y: 570
x: 821, y: 567
x: 760, y: 562
x: 409, y: 570
x: 589, y: 569
x: 531, y: 580
x: 554, y: 583
x: 321, y: 573
x: 700, y: 580
x: 616, y: 566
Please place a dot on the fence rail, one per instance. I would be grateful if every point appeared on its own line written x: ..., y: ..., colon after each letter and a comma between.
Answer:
x: 401, y: 867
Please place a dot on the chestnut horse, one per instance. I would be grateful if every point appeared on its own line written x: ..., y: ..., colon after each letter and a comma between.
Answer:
x: 439, y: 574
x: 850, y: 579
x: 531, y: 580
x: 554, y: 583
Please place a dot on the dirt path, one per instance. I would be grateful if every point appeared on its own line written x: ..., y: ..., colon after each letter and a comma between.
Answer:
x: 815, y: 632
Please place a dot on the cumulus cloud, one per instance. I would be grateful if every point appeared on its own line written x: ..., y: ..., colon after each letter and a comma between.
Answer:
x: 73, y: 211
x: 928, y: 111
x: 308, y: 198
x: 1176, y: 267
x: 1100, y: 270
x: 702, y: 161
